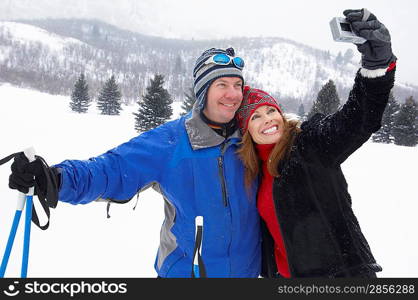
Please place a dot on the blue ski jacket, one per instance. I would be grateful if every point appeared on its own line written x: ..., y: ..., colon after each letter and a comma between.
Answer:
x: 198, y: 173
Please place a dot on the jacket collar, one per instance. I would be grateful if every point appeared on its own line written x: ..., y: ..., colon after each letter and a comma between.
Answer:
x: 201, y: 135
x: 264, y: 150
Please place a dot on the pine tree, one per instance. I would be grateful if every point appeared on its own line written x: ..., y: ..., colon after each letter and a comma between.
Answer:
x: 178, y: 66
x: 301, y: 111
x: 188, y: 102
x: 327, y: 101
x: 154, y: 107
x: 348, y: 55
x: 385, y: 134
x: 80, y: 100
x: 109, y: 101
x: 339, y: 59
x: 405, y: 131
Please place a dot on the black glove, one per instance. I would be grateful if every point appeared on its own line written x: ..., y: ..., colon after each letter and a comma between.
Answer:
x: 27, y: 174
x: 376, y: 51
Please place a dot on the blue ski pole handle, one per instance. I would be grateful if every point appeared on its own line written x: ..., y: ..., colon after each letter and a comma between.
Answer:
x: 30, y: 154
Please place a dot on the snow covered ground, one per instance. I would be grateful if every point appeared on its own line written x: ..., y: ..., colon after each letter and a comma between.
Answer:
x: 82, y: 242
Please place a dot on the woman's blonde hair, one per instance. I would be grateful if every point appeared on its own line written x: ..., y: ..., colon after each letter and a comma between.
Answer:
x: 248, y: 152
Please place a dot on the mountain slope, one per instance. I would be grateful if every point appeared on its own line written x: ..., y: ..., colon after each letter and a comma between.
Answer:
x: 48, y: 55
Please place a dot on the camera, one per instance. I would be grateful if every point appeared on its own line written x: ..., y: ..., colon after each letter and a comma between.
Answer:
x: 342, y: 31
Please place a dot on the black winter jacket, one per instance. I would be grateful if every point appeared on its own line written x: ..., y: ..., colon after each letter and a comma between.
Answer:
x: 321, y: 234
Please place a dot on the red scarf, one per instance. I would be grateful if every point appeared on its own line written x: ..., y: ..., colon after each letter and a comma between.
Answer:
x: 266, y: 209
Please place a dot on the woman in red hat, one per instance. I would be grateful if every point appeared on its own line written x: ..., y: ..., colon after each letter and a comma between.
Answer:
x: 309, y: 228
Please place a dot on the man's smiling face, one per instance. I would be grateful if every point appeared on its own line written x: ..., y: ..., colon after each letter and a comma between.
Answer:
x: 223, y: 99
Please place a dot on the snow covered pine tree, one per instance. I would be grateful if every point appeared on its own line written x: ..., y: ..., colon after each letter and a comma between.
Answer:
x: 327, y: 101
x: 188, y: 102
x: 80, y: 99
x: 109, y: 99
x: 155, y: 107
x: 405, y: 130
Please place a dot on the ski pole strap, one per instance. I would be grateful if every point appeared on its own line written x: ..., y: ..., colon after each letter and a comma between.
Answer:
x: 47, y: 199
x: 50, y: 198
x: 7, y: 158
x: 109, y: 201
x: 198, y: 267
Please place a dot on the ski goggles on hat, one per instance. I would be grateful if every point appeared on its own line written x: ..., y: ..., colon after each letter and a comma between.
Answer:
x: 224, y: 59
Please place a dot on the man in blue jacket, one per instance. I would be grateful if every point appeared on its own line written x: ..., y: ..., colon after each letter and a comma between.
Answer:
x: 192, y: 162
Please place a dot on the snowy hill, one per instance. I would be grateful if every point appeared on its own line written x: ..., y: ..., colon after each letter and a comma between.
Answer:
x: 82, y: 242
x: 48, y: 55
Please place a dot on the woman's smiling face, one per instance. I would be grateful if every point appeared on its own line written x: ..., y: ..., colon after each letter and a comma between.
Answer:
x: 266, y: 125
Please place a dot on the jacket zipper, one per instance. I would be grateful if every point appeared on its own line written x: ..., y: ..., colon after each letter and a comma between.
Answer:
x: 221, y: 167
x: 222, y: 175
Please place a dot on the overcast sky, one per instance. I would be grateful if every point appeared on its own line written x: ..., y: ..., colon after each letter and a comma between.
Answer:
x: 300, y: 20
x: 304, y: 21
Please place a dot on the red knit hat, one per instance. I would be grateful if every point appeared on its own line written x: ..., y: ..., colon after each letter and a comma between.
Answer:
x: 253, y: 99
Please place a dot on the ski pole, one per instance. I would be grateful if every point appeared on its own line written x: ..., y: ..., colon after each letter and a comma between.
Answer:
x: 30, y: 154
x: 22, y: 198
x: 198, y: 270
x: 12, y: 234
